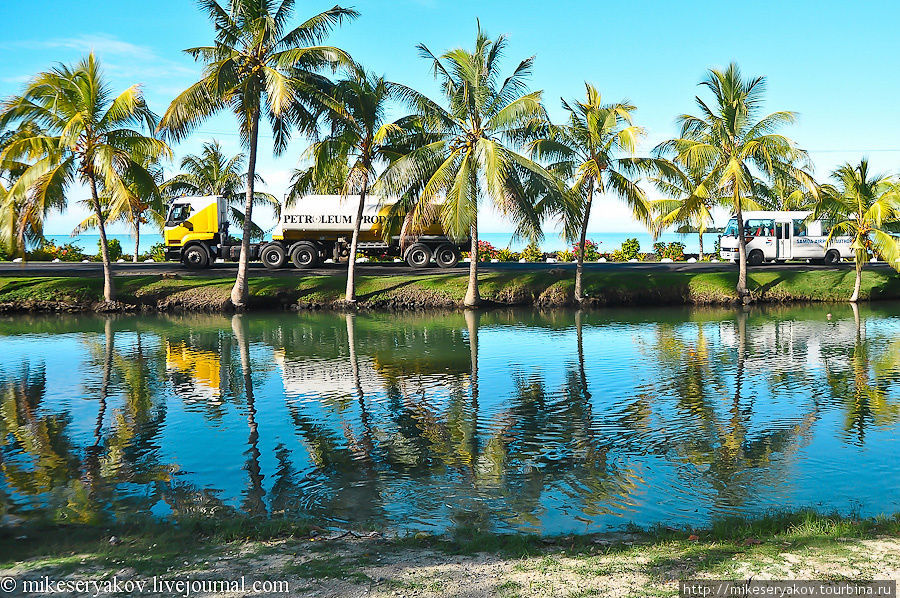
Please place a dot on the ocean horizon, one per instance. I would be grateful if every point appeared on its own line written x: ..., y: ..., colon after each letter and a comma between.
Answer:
x: 608, y: 241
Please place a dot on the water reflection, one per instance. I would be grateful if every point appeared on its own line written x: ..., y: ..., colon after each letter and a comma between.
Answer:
x: 564, y: 421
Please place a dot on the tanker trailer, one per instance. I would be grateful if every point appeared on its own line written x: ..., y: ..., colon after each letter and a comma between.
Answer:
x: 313, y: 229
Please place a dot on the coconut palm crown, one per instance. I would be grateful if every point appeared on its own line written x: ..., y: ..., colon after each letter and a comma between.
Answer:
x: 212, y: 172
x: 690, y: 198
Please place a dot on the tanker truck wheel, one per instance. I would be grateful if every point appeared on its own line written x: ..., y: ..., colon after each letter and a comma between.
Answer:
x: 418, y: 256
x: 273, y: 256
x: 304, y: 255
x: 195, y: 257
x: 446, y: 256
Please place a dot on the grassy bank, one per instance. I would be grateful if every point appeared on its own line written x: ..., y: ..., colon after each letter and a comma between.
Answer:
x: 512, y: 287
x: 802, y: 545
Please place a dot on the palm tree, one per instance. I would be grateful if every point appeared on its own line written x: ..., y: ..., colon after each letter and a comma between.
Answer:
x: 257, y: 67
x: 471, y: 158
x: 691, y: 195
x: 89, y: 136
x: 211, y: 172
x: 587, y: 151
x: 145, y: 205
x: 736, y: 145
x: 862, y: 204
x: 21, y: 221
x: 360, y: 139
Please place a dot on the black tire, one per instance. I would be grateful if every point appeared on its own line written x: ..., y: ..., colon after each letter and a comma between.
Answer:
x: 273, y: 256
x: 418, y: 256
x: 446, y: 256
x: 756, y: 257
x: 832, y: 256
x: 195, y: 257
x: 304, y: 255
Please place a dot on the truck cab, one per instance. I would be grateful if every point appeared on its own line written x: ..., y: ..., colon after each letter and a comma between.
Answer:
x: 195, y: 230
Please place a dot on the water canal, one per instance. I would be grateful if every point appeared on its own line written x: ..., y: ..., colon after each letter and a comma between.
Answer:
x: 551, y: 422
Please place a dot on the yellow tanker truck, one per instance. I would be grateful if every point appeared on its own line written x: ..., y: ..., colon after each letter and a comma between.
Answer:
x: 313, y: 229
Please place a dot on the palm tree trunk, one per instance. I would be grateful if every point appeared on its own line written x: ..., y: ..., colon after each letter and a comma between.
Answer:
x: 350, y: 295
x: 472, y: 298
x: 253, y: 502
x: 743, y: 293
x: 108, y: 289
x: 859, y: 266
x: 472, y: 323
x: 137, y: 239
x: 240, y: 293
x: 700, y: 234
x: 579, y: 268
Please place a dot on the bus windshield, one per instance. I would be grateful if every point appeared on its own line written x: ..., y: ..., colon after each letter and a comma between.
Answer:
x: 731, y: 229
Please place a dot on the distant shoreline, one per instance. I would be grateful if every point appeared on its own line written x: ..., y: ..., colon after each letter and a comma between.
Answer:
x: 608, y: 241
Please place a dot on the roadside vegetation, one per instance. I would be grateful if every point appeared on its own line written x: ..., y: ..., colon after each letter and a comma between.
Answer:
x: 487, y: 141
x: 316, y: 561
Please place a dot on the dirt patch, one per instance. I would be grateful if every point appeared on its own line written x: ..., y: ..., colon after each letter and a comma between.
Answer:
x: 375, y: 567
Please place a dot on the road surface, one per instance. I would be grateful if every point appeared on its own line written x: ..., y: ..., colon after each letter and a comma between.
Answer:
x: 386, y: 269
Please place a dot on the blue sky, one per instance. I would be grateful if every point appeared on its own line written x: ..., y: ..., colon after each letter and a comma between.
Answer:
x: 832, y: 62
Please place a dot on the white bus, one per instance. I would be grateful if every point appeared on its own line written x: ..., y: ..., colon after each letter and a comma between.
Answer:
x: 784, y: 236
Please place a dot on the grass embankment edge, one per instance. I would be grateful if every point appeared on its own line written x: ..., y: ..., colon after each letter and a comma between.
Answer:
x: 661, y: 555
x: 541, y: 288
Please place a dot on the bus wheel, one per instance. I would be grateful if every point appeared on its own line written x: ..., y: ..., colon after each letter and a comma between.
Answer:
x: 195, y: 257
x: 304, y: 255
x: 273, y: 256
x: 446, y: 256
x: 755, y: 258
x: 832, y: 256
x: 418, y: 256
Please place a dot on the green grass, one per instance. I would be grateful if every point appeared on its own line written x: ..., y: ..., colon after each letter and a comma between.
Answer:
x: 726, y: 549
x: 147, y: 546
x: 430, y: 290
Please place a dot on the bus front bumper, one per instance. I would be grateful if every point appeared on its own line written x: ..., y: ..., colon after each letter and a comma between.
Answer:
x: 173, y: 254
x: 728, y: 254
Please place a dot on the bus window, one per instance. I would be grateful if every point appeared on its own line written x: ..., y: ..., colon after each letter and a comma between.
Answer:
x: 760, y: 228
x: 800, y: 228
x: 731, y: 229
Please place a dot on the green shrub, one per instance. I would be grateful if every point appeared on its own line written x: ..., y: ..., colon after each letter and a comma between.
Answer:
x: 157, y: 253
x: 506, y: 255
x: 113, y: 247
x: 48, y: 251
x: 674, y: 251
x: 532, y: 253
x: 486, y: 252
x: 631, y: 248
x: 566, y: 255
x: 618, y: 256
x: 591, y: 250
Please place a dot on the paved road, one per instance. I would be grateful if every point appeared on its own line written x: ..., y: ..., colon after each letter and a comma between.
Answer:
x: 129, y: 269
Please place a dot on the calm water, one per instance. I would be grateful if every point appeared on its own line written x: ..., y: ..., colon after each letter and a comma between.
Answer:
x: 550, y: 423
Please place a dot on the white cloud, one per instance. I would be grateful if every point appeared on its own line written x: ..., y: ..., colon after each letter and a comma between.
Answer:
x: 120, y: 58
